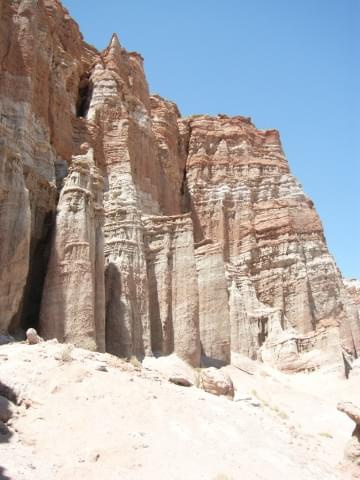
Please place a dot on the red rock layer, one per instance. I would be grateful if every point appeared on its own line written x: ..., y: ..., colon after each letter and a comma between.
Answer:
x: 244, y: 197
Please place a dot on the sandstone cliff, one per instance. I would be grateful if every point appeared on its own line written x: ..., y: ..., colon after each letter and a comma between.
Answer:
x: 126, y: 228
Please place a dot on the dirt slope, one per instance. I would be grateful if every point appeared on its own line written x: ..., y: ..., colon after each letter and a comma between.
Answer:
x: 85, y: 415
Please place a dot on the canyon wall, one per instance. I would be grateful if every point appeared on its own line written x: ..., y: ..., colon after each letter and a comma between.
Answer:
x: 129, y: 229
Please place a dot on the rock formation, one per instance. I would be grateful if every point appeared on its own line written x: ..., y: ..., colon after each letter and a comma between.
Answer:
x: 216, y: 381
x: 173, y: 291
x: 127, y: 228
x: 214, y: 319
x: 352, y: 450
x: 73, y: 302
x: 32, y: 337
x: 352, y: 286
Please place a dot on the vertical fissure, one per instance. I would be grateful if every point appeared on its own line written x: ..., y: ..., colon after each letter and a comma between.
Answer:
x: 84, y: 95
x: 39, y: 257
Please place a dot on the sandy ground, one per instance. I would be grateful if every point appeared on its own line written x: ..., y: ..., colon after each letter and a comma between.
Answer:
x: 91, y: 416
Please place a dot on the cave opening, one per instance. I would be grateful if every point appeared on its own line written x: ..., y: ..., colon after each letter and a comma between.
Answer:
x: 185, y: 194
x: 39, y: 258
x: 183, y: 187
x: 262, y: 326
x: 84, y: 95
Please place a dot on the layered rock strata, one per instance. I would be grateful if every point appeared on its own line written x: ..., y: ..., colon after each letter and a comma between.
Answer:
x: 244, y: 197
x: 352, y: 286
x: 126, y: 228
x: 73, y: 302
x: 42, y: 57
x: 15, y: 225
x: 173, y: 290
x: 214, y: 319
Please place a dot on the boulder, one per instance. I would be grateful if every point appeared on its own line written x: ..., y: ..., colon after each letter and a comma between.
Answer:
x: 352, y: 449
x: 32, y: 337
x: 216, y: 381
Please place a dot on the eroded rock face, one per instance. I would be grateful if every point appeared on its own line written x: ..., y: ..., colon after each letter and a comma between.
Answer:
x: 126, y: 228
x: 173, y: 290
x: 14, y: 235
x: 42, y: 56
x: 73, y: 302
x: 214, y: 319
x: 352, y: 286
x: 244, y: 197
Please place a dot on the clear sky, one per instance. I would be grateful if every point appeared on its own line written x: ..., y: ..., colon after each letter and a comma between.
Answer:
x: 288, y: 64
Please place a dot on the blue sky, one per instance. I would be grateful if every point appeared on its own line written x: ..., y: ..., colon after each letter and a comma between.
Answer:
x: 288, y: 64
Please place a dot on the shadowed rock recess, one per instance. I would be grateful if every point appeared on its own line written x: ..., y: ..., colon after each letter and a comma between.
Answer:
x: 129, y: 229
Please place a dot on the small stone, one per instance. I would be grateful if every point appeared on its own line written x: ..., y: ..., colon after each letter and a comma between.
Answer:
x: 101, y: 368
x: 32, y: 337
x: 180, y: 380
x: 94, y: 457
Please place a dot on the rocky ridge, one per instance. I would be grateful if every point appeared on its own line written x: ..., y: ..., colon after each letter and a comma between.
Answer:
x: 128, y: 229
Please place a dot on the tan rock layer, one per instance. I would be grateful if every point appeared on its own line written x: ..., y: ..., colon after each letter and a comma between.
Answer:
x: 173, y: 290
x: 73, y: 301
x: 214, y: 319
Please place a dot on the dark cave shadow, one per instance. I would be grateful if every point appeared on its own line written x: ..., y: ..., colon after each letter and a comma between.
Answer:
x: 40, y: 249
x: 206, y: 361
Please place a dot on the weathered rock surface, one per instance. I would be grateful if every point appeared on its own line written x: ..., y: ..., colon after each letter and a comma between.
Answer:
x: 352, y: 450
x: 214, y: 320
x: 216, y: 381
x: 173, y: 292
x: 351, y: 410
x: 42, y: 57
x: 126, y: 228
x: 73, y: 303
x: 244, y: 197
x: 353, y: 288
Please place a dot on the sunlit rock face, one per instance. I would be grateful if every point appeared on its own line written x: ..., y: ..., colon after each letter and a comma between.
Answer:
x: 243, y: 196
x: 129, y: 229
x: 73, y: 300
x: 352, y: 286
x: 42, y: 57
x: 173, y: 287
